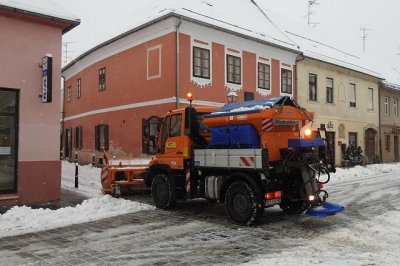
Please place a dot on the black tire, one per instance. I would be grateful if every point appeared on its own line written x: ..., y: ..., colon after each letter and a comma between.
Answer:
x: 163, y: 191
x: 241, y: 203
x: 293, y: 206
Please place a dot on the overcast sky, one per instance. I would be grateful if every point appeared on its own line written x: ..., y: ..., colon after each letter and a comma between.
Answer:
x: 339, y: 20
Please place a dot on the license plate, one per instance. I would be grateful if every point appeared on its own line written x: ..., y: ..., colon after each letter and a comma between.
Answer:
x: 272, y: 202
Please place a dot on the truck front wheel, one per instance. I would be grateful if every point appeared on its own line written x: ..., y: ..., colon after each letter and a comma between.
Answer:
x: 241, y: 203
x: 162, y: 191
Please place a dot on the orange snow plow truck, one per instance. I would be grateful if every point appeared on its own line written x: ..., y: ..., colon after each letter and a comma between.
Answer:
x: 248, y: 156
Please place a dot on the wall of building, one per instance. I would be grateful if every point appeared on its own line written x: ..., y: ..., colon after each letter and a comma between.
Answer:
x: 23, y: 44
x: 340, y: 114
x: 141, y: 81
x: 390, y: 125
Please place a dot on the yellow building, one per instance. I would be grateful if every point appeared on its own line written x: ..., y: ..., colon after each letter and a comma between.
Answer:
x: 390, y: 122
x: 345, y: 98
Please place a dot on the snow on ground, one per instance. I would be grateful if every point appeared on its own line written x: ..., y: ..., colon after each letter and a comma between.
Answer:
x: 23, y: 219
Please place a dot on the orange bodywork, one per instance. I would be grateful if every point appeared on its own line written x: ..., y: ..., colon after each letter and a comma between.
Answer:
x: 126, y: 178
x: 286, y: 121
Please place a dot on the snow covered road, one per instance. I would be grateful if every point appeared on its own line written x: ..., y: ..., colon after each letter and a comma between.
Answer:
x: 367, y: 233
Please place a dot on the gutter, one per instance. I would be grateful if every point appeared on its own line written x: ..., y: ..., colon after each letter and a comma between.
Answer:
x: 178, y: 83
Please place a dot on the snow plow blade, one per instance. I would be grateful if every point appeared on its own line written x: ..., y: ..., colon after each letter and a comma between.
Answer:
x: 325, y: 210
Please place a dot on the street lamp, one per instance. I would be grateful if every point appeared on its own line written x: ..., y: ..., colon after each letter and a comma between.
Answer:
x: 232, y: 97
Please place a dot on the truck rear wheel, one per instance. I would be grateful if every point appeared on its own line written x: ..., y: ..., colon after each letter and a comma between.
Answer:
x: 162, y: 191
x: 241, y: 203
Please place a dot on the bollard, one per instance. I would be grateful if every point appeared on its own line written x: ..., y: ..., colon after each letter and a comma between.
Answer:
x: 76, y: 171
x: 93, y: 160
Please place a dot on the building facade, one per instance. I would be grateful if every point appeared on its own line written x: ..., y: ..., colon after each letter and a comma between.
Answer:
x: 116, y: 93
x: 389, y: 122
x: 346, y: 101
x: 30, y: 74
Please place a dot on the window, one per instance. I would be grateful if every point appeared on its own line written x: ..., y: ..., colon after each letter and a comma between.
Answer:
x: 78, y: 88
x: 312, y: 87
x: 201, y: 62
x: 386, y: 106
x: 370, y: 99
x: 286, y: 81
x: 101, y: 137
x: 264, y: 76
x: 9, y: 101
x: 387, y: 143
x: 175, y: 125
x: 102, y: 79
x: 352, y: 95
x: 68, y: 143
x: 395, y: 108
x: 329, y: 90
x: 68, y: 94
x: 248, y: 96
x: 78, y: 138
x: 233, y: 69
x: 150, y: 129
x: 352, y: 139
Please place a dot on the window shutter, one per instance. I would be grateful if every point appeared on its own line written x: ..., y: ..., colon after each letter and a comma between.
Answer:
x: 106, y: 137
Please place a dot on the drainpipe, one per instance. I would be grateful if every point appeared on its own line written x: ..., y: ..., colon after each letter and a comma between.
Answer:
x: 300, y: 57
x: 380, y: 123
x: 62, y: 120
x: 177, y: 63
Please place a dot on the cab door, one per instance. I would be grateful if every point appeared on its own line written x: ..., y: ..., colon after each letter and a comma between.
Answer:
x: 171, y: 141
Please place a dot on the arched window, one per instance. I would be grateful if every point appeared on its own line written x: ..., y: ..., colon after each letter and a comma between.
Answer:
x: 150, y: 128
x: 341, y: 131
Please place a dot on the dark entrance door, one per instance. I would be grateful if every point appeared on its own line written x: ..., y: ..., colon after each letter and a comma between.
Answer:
x: 370, y: 136
x: 330, y: 138
x: 8, y: 140
x: 396, y: 148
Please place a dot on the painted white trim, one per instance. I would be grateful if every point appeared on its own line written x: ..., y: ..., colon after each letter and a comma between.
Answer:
x: 201, y: 82
x: 142, y: 104
x: 142, y: 36
x: 260, y: 59
x: 159, y: 48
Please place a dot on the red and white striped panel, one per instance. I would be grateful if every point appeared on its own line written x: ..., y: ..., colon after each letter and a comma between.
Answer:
x: 104, y: 174
x: 267, y: 125
x: 247, y: 161
x: 188, y: 181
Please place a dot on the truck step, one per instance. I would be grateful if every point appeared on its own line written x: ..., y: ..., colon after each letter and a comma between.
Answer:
x: 325, y: 210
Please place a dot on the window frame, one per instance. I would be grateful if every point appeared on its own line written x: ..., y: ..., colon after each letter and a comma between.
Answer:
x: 353, y: 92
x: 78, y: 88
x: 102, y: 79
x: 261, y: 70
x: 202, y: 66
x: 386, y: 105
x: 370, y: 99
x: 287, y: 78
x: 101, y: 133
x: 236, y: 59
x: 312, y: 96
x: 355, y: 138
x: 69, y: 94
x: 395, y: 107
x: 78, y: 138
x: 329, y: 90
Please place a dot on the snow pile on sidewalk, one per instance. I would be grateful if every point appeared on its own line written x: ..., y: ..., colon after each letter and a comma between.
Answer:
x: 363, y: 171
x: 21, y: 220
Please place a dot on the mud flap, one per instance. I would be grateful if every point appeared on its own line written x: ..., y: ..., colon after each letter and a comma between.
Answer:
x: 325, y: 209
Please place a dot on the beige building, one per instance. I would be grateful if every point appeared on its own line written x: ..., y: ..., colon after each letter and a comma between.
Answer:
x: 390, y: 121
x: 345, y: 99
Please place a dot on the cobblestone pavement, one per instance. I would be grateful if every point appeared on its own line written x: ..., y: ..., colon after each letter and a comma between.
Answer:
x: 194, y: 233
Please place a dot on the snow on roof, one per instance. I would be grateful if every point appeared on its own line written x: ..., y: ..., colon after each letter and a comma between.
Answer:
x: 40, y: 8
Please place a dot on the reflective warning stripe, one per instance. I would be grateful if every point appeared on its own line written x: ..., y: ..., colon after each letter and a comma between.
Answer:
x: 247, y: 161
x: 267, y: 125
x: 104, y: 173
x: 188, y: 181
